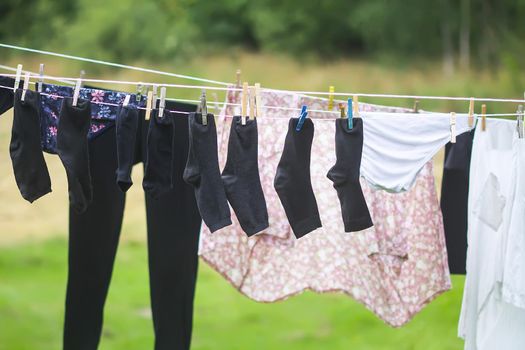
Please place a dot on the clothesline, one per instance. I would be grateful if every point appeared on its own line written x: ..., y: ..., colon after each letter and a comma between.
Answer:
x: 237, y: 104
x: 322, y: 93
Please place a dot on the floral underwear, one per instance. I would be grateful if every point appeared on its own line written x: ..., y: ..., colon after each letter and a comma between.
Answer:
x: 102, y: 115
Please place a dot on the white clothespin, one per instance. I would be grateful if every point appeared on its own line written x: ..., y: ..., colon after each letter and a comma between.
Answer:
x: 82, y: 74
x: 149, y: 104
x: 162, y: 103
x: 244, y: 103
x: 126, y: 101
x: 452, y: 127
x: 41, y: 78
x: 204, y: 108
x: 76, y: 93
x: 252, y: 103
x: 519, y: 126
x: 18, y: 76
x: 471, y: 113
x: 26, y: 86
x: 258, y: 102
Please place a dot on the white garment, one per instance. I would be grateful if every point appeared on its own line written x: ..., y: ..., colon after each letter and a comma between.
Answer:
x: 397, y: 145
x: 488, y: 321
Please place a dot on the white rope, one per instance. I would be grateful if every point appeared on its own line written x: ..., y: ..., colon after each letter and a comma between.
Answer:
x: 118, y: 65
x: 12, y: 69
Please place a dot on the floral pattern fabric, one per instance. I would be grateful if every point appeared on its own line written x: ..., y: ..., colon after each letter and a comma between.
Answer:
x: 102, y: 115
x: 394, y: 268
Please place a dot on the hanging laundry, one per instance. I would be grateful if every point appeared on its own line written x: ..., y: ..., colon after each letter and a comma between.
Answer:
x: 394, y: 268
x: 6, y: 95
x: 454, y: 200
x: 292, y: 180
x: 25, y: 149
x: 127, y: 123
x: 493, y: 309
x: 241, y: 177
x: 158, y: 170
x: 202, y: 172
x: 72, y: 148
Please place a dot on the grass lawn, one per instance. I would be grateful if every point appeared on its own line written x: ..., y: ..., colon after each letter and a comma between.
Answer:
x: 32, y: 289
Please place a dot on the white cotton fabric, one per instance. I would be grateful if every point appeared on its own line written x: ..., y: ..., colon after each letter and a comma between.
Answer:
x: 489, y: 320
x: 397, y: 145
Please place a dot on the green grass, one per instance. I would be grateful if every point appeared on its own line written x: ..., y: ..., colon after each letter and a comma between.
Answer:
x: 32, y: 289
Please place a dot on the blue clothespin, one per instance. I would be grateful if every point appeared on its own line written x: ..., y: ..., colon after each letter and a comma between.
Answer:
x: 302, y: 117
x: 350, y: 114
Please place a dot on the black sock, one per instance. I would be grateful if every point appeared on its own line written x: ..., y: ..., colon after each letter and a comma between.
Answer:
x: 241, y: 177
x: 6, y: 95
x: 29, y: 166
x: 292, y: 181
x: 159, y: 158
x: 345, y: 175
x: 202, y: 172
x: 126, y: 128
x: 73, y: 150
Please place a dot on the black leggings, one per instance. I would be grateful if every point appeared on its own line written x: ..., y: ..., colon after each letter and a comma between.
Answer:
x: 173, y: 223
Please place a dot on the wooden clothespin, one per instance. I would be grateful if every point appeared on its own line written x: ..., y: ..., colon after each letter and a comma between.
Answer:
x: 302, y: 117
x: 252, y: 103
x: 149, y: 105
x: 126, y: 101
x: 416, y: 106
x: 331, y: 91
x: 40, y: 86
x: 27, y: 77
x: 76, y: 93
x: 471, y: 113
x: 204, y: 108
x: 356, y: 106
x: 483, y: 117
x: 162, y: 102
x: 18, y: 76
x: 452, y: 127
x: 342, y: 110
x: 350, y: 111
x: 258, y: 102
x: 244, y: 103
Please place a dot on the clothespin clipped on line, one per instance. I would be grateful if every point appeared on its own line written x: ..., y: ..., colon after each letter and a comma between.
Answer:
x: 519, y: 124
x: 76, y: 93
x: 204, y: 108
x: 452, y: 127
x: 302, y: 117
x: 252, y: 103
x: 355, y: 100
x: 244, y: 103
x: 26, y: 85
x: 416, y: 106
x: 162, y: 102
x: 483, y: 117
x: 471, y: 113
x: 82, y: 74
x: 149, y: 105
x: 350, y: 111
x: 331, y: 91
x: 342, y: 110
x: 126, y: 101
x: 41, y: 78
x: 258, y: 103
x: 18, y: 76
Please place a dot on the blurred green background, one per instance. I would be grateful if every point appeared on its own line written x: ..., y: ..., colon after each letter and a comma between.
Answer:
x: 442, y: 47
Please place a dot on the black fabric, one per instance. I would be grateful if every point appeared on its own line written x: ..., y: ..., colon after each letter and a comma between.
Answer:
x: 25, y: 149
x: 173, y: 225
x: 158, y: 170
x: 202, y: 172
x: 292, y: 181
x: 454, y: 200
x: 126, y: 128
x: 241, y: 177
x: 6, y: 95
x: 345, y: 175
x: 72, y: 148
